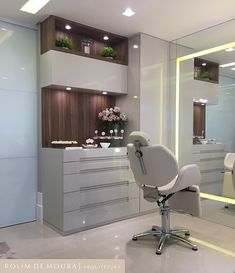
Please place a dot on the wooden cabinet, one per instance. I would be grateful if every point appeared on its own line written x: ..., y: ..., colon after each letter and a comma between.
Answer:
x: 205, y: 70
x: 54, y: 28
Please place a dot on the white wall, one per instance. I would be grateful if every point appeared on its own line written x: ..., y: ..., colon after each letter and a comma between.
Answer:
x: 148, y: 82
x: 154, y: 60
x: 18, y: 124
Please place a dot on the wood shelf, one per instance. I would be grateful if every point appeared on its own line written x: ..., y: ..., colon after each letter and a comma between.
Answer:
x: 210, y: 69
x: 54, y: 27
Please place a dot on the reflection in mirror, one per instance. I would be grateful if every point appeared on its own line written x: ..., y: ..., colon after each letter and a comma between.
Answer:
x: 205, y: 115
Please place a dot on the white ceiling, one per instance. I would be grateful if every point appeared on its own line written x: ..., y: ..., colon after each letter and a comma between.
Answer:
x: 166, y: 19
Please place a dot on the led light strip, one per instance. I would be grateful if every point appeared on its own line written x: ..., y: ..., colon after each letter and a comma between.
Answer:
x: 177, y: 100
x: 217, y: 198
x: 212, y: 246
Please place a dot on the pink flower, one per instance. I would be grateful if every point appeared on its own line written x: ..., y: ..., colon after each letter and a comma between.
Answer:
x: 116, y: 109
x: 100, y: 115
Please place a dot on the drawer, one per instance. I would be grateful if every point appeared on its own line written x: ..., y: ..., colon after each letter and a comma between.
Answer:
x: 73, y: 182
x: 95, y: 154
x: 106, y: 213
x: 211, y: 165
x: 211, y: 176
x: 94, y: 196
x: 95, y: 167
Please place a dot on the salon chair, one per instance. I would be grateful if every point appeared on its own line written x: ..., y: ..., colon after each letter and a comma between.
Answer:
x: 157, y: 173
x: 229, y: 176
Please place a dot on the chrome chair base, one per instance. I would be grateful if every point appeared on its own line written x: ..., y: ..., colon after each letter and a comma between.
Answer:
x: 173, y: 234
x: 165, y: 232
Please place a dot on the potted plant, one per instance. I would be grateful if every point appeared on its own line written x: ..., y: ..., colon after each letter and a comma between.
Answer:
x: 109, y: 52
x: 206, y: 76
x: 64, y: 42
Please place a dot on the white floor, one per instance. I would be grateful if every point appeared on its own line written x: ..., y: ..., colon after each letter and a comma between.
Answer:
x: 216, y: 245
x: 216, y: 212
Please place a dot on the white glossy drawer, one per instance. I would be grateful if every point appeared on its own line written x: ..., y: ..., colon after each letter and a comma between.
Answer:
x: 95, y: 154
x: 86, y: 197
x: 95, y: 167
x: 92, y: 217
x: 73, y: 182
x: 211, y: 165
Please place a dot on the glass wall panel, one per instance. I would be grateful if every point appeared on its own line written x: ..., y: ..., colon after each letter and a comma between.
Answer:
x: 18, y: 124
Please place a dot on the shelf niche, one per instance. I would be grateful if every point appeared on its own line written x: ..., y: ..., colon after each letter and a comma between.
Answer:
x: 205, y: 70
x: 54, y: 27
x: 71, y: 115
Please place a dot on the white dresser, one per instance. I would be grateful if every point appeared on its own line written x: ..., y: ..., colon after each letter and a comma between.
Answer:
x: 87, y: 188
x: 210, y: 159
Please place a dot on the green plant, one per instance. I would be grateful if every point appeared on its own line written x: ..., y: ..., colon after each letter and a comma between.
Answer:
x: 64, y: 42
x: 206, y: 75
x: 109, y: 52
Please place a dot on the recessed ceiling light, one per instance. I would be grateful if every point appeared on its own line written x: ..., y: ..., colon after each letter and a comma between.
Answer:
x: 3, y: 28
x: 128, y: 12
x: 106, y: 37
x: 230, y: 49
x: 33, y: 6
x: 68, y: 27
x: 135, y: 97
x: 68, y: 88
x: 104, y: 93
x: 135, y: 46
x: 204, y: 64
x: 233, y: 68
x: 227, y: 65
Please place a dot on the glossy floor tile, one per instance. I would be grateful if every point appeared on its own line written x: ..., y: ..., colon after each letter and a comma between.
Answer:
x: 216, y: 245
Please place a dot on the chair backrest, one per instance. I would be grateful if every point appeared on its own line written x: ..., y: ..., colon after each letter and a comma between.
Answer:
x: 160, y: 165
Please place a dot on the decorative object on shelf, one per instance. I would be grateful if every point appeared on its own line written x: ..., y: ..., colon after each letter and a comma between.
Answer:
x: 104, y: 144
x: 111, y: 133
x: 206, y: 76
x: 109, y: 52
x: 86, y: 45
x: 64, y: 142
x: 64, y: 42
x: 89, y: 144
x: 96, y: 133
x: 122, y: 132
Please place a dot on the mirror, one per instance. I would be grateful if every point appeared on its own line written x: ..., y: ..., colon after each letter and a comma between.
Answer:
x: 203, y: 73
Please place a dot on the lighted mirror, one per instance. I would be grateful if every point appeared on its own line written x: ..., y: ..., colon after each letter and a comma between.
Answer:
x: 203, y: 99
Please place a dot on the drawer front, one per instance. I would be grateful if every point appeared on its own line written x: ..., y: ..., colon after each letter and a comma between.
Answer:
x: 92, y: 196
x: 91, y: 217
x: 74, y: 182
x: 95, y: 154
x: 95, y: 167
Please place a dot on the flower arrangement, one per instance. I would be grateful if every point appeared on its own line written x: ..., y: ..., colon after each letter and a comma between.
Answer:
x: 113, y: 116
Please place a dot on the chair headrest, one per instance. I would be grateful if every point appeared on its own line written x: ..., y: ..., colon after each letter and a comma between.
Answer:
x: 141, y: 137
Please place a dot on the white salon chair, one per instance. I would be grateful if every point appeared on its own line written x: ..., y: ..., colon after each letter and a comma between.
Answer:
x: 156, y: 172
x: 229, y: 176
